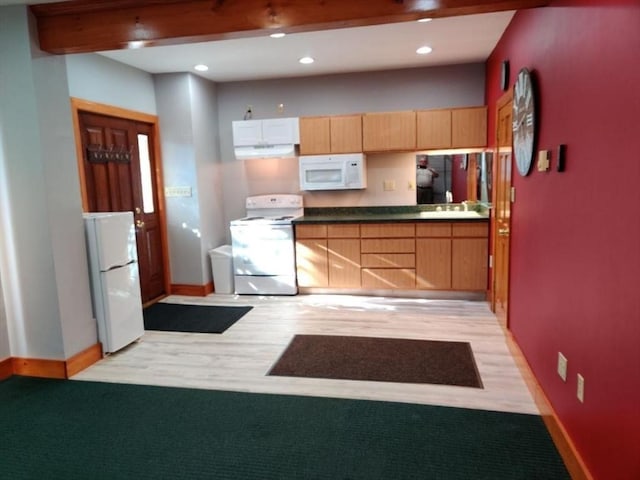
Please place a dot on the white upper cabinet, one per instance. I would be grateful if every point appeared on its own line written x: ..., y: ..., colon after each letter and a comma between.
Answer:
x: 247, y: 133
x: 273, y: 131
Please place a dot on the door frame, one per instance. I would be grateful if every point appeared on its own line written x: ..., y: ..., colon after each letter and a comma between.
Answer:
x: 504, y: 99
x: 78, y: 105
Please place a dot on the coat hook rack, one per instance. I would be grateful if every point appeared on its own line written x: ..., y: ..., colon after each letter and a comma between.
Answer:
x: 111, y: 153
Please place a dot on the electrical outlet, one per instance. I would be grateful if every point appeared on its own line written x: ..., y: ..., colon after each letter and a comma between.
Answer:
x: 580, y: 392
x: 562, y: 366
x: 389, y: 185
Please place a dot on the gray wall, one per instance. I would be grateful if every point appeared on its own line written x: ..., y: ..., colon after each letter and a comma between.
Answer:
x: 188, y: 117
x: 43, y: 262
x: 102, y: 80
x: 406, y: 89
x: 5, y: 349
x: 213, y: 228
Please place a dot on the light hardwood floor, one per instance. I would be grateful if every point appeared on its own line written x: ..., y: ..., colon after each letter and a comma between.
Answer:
x: 240, y: 358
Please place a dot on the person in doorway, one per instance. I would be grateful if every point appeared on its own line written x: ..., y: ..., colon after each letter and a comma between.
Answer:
x: 424, y: 180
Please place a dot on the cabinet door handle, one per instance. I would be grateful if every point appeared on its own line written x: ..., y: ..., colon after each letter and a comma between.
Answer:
x: 503, y: 232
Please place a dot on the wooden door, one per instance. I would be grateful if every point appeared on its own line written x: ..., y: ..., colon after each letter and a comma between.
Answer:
x: 118, y: 167
x: 502, y: 211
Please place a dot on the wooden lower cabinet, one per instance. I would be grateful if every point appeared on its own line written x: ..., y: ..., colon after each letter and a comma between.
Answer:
x: 388, y: 256
x: 424, y: 256
x: 389, y: 278
x: 469, y: 256
x: 433, y: 263
x: 328, y: 255
x: 469, y: 267
x: 311, y: 262
x: 433, y: 256
x: 344, y: 262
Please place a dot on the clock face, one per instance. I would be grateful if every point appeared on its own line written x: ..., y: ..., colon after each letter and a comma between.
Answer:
x: 524, y: 122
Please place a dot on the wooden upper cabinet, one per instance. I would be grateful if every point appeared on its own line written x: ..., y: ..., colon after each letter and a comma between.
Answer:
x: 433, y: 129
x: 469, y: 127
x: 315, y: 135
x: 346, y: 134
x: 335, y: 134
x: 451, y: 128
x: 394, y: 131
x: 389, y: 131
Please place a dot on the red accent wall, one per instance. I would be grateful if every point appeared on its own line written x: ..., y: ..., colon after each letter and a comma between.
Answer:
x: 458, y: 179
x: 575, y: 245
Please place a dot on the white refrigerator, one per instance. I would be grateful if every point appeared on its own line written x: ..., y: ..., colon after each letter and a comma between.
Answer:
x: 115, y: 282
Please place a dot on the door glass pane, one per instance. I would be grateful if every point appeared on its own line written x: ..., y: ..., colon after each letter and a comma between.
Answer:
x: 145, y: 174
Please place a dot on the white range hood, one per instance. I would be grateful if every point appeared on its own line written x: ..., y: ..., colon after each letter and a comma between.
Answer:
x: 265, y: 151
x: 269, y: 138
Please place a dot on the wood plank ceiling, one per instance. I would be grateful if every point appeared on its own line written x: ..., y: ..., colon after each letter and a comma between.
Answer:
x: 96, y: 25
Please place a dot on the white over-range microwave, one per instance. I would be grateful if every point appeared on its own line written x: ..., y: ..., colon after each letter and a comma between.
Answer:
x: 333, y: 172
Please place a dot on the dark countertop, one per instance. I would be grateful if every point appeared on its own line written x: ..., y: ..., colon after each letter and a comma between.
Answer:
x: 419, y: 213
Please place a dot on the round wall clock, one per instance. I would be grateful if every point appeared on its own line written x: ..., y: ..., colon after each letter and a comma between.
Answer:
x: 524, y: 121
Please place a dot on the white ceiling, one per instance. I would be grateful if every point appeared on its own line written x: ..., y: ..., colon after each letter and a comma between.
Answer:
x: 455, y: 40
x: 462, y: 39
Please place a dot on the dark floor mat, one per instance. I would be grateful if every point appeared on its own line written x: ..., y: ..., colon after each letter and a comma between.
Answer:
x: 175, y: 317
x: 379, y: 359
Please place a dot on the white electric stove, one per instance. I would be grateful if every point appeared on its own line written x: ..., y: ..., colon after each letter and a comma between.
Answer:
x: 264, y: 246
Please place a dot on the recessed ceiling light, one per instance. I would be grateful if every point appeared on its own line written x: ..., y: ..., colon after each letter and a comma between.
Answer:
x: 424, y: 50
x: 201, y: 67
x: 424, y: 20
x: 306, y: 60
x: 136, y: 44
x: 277, y: 35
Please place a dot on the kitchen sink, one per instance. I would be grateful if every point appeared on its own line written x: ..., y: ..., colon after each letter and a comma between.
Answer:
x: 451, y: 214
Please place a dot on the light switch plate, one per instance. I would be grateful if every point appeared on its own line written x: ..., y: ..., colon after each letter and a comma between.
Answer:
x: 543, y: 160
x: 562, y: 366
x: 580, y: 392
x: 177, y: 192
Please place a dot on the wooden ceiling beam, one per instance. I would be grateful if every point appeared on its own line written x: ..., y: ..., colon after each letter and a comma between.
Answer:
x: 81, y: 26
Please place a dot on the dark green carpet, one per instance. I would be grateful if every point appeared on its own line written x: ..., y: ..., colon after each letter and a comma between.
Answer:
x: 54, y: 429
x: 179, y: 317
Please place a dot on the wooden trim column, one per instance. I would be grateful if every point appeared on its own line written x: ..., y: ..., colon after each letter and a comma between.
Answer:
x: 6, y: 368
x: 82, y: 26
x: 39, y: 367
